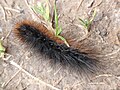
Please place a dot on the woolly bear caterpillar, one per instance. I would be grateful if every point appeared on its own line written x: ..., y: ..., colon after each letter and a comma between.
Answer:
x: 48, y: 44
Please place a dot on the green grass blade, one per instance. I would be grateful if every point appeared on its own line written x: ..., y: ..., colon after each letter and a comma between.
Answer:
x: 39, y: 10
x: 43, y: 11
x: 2, y: 49
x: 56, y: 20
x: 62, y: 38
x: 82, y: 22
x: 93, y: 15
x: 59, y: 31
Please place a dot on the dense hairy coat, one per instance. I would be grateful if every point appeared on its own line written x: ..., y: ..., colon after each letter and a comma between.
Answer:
x: 48, y: 44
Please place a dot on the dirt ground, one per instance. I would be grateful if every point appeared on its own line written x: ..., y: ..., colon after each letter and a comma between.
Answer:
x: 25, y: 70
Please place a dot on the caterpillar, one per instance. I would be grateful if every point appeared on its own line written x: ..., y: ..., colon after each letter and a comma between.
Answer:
x: 46, y: 43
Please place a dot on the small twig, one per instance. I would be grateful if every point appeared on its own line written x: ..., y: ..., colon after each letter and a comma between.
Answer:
x: 28, y: 5
x: 98, y: 4
x: 32, y: 12
x: 106, y: 75
x: 59, y: 81
x: 114, y: 52
x: 11, y: 9
x: 97, y: 83
x: 103, y: 75
x: 4, y: 14
x: 80, y: 5
x: 106, y: 55
x: 57, y: 70
x: 5, y: 84
x: 36, y: 79
x: 7, y: 58
x: 7, y: 35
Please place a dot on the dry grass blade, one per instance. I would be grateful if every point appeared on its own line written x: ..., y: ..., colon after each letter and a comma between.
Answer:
x: 5, y: 84
x: 31, y: 11
x: 4, y: 14
x: 30, y: 75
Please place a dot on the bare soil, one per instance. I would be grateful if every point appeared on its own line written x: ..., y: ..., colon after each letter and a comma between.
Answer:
x: 103, y: 43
